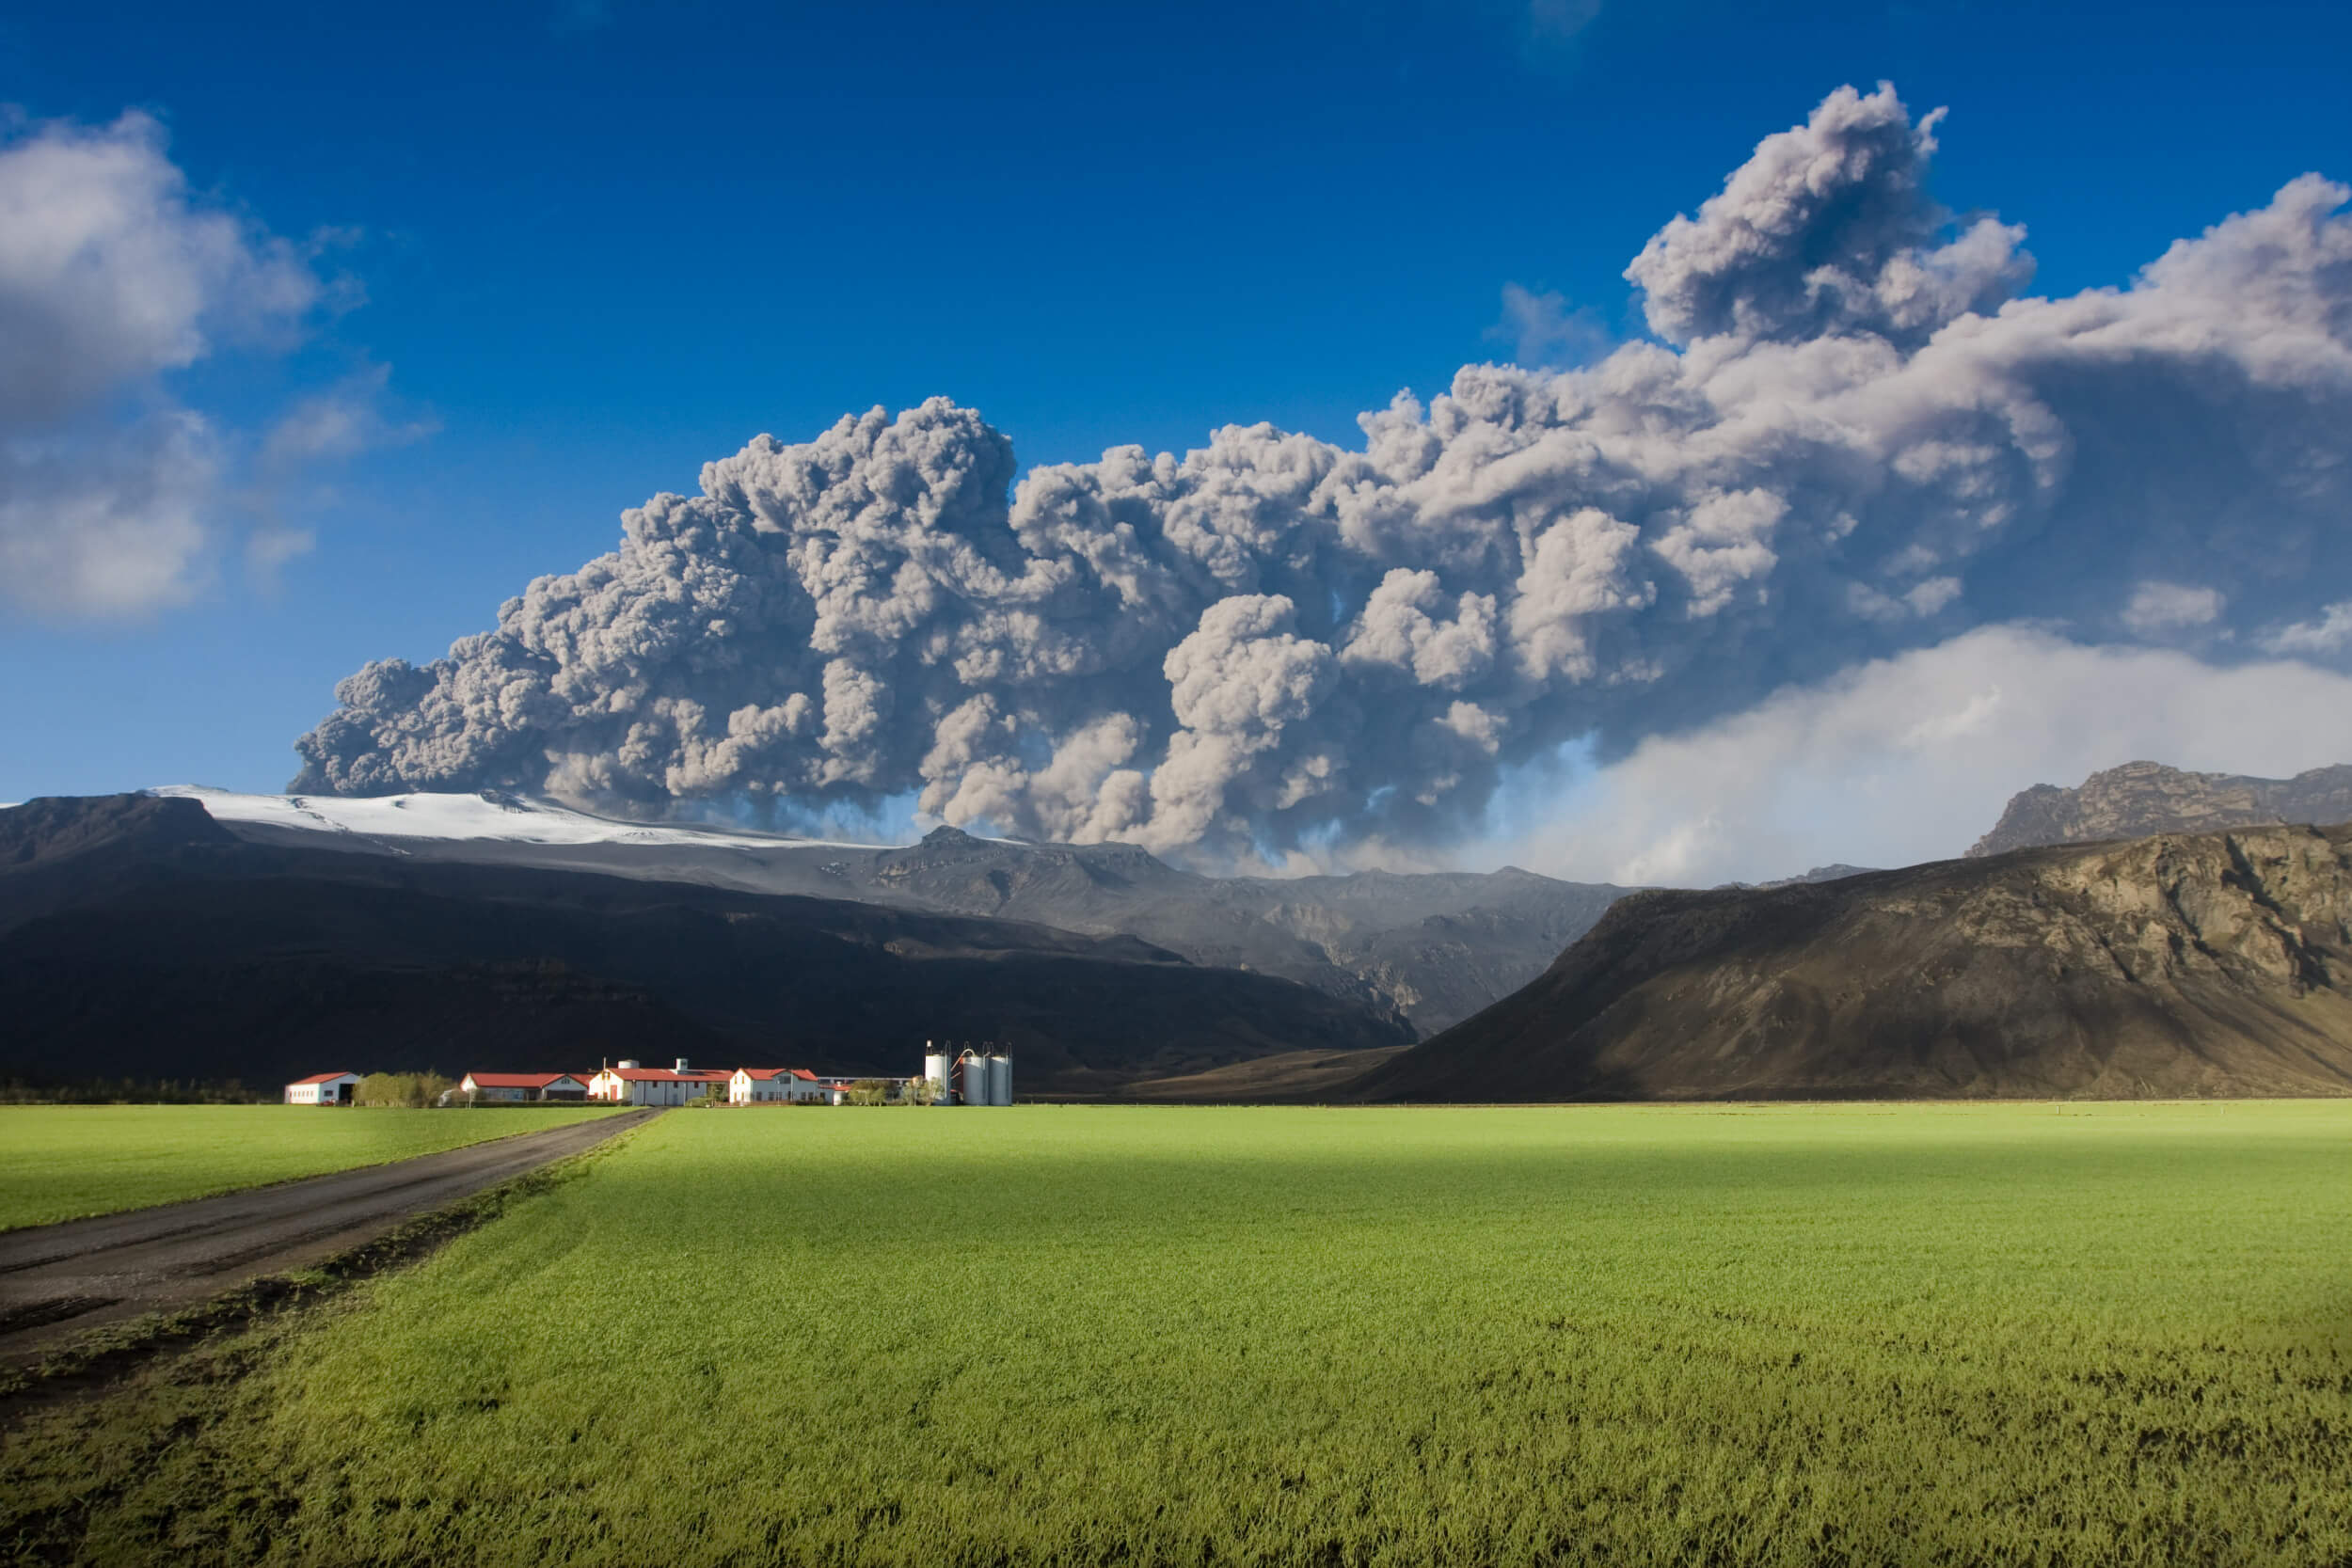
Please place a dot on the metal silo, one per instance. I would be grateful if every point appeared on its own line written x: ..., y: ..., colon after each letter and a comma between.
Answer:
x: 971, y: 1080
x: 1000, y: 1080
x: 936, y: 1067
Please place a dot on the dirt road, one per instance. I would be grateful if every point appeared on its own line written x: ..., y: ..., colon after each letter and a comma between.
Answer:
x: 57, y: 1280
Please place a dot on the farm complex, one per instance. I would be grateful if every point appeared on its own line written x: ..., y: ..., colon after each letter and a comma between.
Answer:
x: 951, y: 1075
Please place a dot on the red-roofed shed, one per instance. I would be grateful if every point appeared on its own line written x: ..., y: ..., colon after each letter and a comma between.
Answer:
x: 322, y: 1088
x: 523, y: 1086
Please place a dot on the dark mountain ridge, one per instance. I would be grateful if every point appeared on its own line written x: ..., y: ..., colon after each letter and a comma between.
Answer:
x: 1435, y: 947
x: 2198, y: 964
x: 140, y: 938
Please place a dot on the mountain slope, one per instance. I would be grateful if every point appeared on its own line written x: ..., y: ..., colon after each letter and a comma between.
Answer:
x: 1435, y: 947
x: 2207, y: 964
x: 139, y: 937
x: 2143, y: 797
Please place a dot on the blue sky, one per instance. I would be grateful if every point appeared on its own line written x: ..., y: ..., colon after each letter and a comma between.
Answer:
x: 593, y: 245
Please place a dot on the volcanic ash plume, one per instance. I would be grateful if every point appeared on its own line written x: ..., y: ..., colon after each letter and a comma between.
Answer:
x: 1855, y: 438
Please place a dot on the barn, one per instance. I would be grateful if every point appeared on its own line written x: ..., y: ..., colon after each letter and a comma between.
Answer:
x: 523, y: 1086
x: 322, y: 1088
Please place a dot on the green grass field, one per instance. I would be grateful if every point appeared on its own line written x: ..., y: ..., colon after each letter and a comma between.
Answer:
x: 63, y: 1162
x: 2012, y: 1334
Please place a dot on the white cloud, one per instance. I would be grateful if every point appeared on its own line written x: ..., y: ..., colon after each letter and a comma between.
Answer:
x: 108, y: 274
x: 2330, y: 633
x: 342, y: 420
x: 1911, y: 758
x: 1932, y: 596
x: 2159, y: 608
x: 112, y: 278
x: 111, y: 523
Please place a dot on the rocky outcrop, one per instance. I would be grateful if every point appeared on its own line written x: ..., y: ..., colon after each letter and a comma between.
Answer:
x: 2143, y: 797
x: 2200, y: 964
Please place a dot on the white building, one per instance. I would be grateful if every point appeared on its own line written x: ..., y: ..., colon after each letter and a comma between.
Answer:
x: 767, y: 1085
x: 631, y: 1085
x: 322, y: 1088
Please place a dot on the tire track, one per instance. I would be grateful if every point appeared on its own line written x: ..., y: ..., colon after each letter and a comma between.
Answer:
x: 58, y: 1280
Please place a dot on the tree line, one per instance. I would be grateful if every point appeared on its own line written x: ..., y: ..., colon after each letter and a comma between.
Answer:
x: 413, y: 1089
x: 131, y: 1091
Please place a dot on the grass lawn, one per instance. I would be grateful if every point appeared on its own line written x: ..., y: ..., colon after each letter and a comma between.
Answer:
x: 63, y: 1162
x: 2068, y: 1334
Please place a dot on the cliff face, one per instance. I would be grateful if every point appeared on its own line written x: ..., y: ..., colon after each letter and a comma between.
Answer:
x: 2143, y: 797
x: 2206, y: 964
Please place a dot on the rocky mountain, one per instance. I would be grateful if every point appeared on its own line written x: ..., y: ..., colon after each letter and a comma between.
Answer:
x: 2143, y: 797
x: 141, y: 938
x: 1434, y: 947
x: 2200, y: 964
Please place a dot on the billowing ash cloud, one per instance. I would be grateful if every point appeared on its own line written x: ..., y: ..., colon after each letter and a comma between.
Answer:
x: 1854, y: 439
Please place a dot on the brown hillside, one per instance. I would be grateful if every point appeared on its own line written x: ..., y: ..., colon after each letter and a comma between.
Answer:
x: 2209, y: 964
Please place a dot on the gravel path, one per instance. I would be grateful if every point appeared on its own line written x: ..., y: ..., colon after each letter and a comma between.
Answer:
x: 57, y: 1280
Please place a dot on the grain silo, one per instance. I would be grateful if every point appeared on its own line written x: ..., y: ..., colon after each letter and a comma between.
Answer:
x: 981, y: 1076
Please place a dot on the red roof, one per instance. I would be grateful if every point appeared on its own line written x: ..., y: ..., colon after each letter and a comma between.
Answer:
x: 663, y: 1075
x: 515, y: 1080
x: 321, y: 1078
x: 766, y: 1073
x: 803, y: 1073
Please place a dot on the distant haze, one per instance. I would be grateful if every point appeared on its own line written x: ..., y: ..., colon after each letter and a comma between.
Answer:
x: 1911, y: 758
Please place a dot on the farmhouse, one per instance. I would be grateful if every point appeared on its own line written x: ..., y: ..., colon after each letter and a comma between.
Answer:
x: 763, y: 1084
x: 523, y: 1086
x: 322, y: 1088
x: 631, y: 1085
